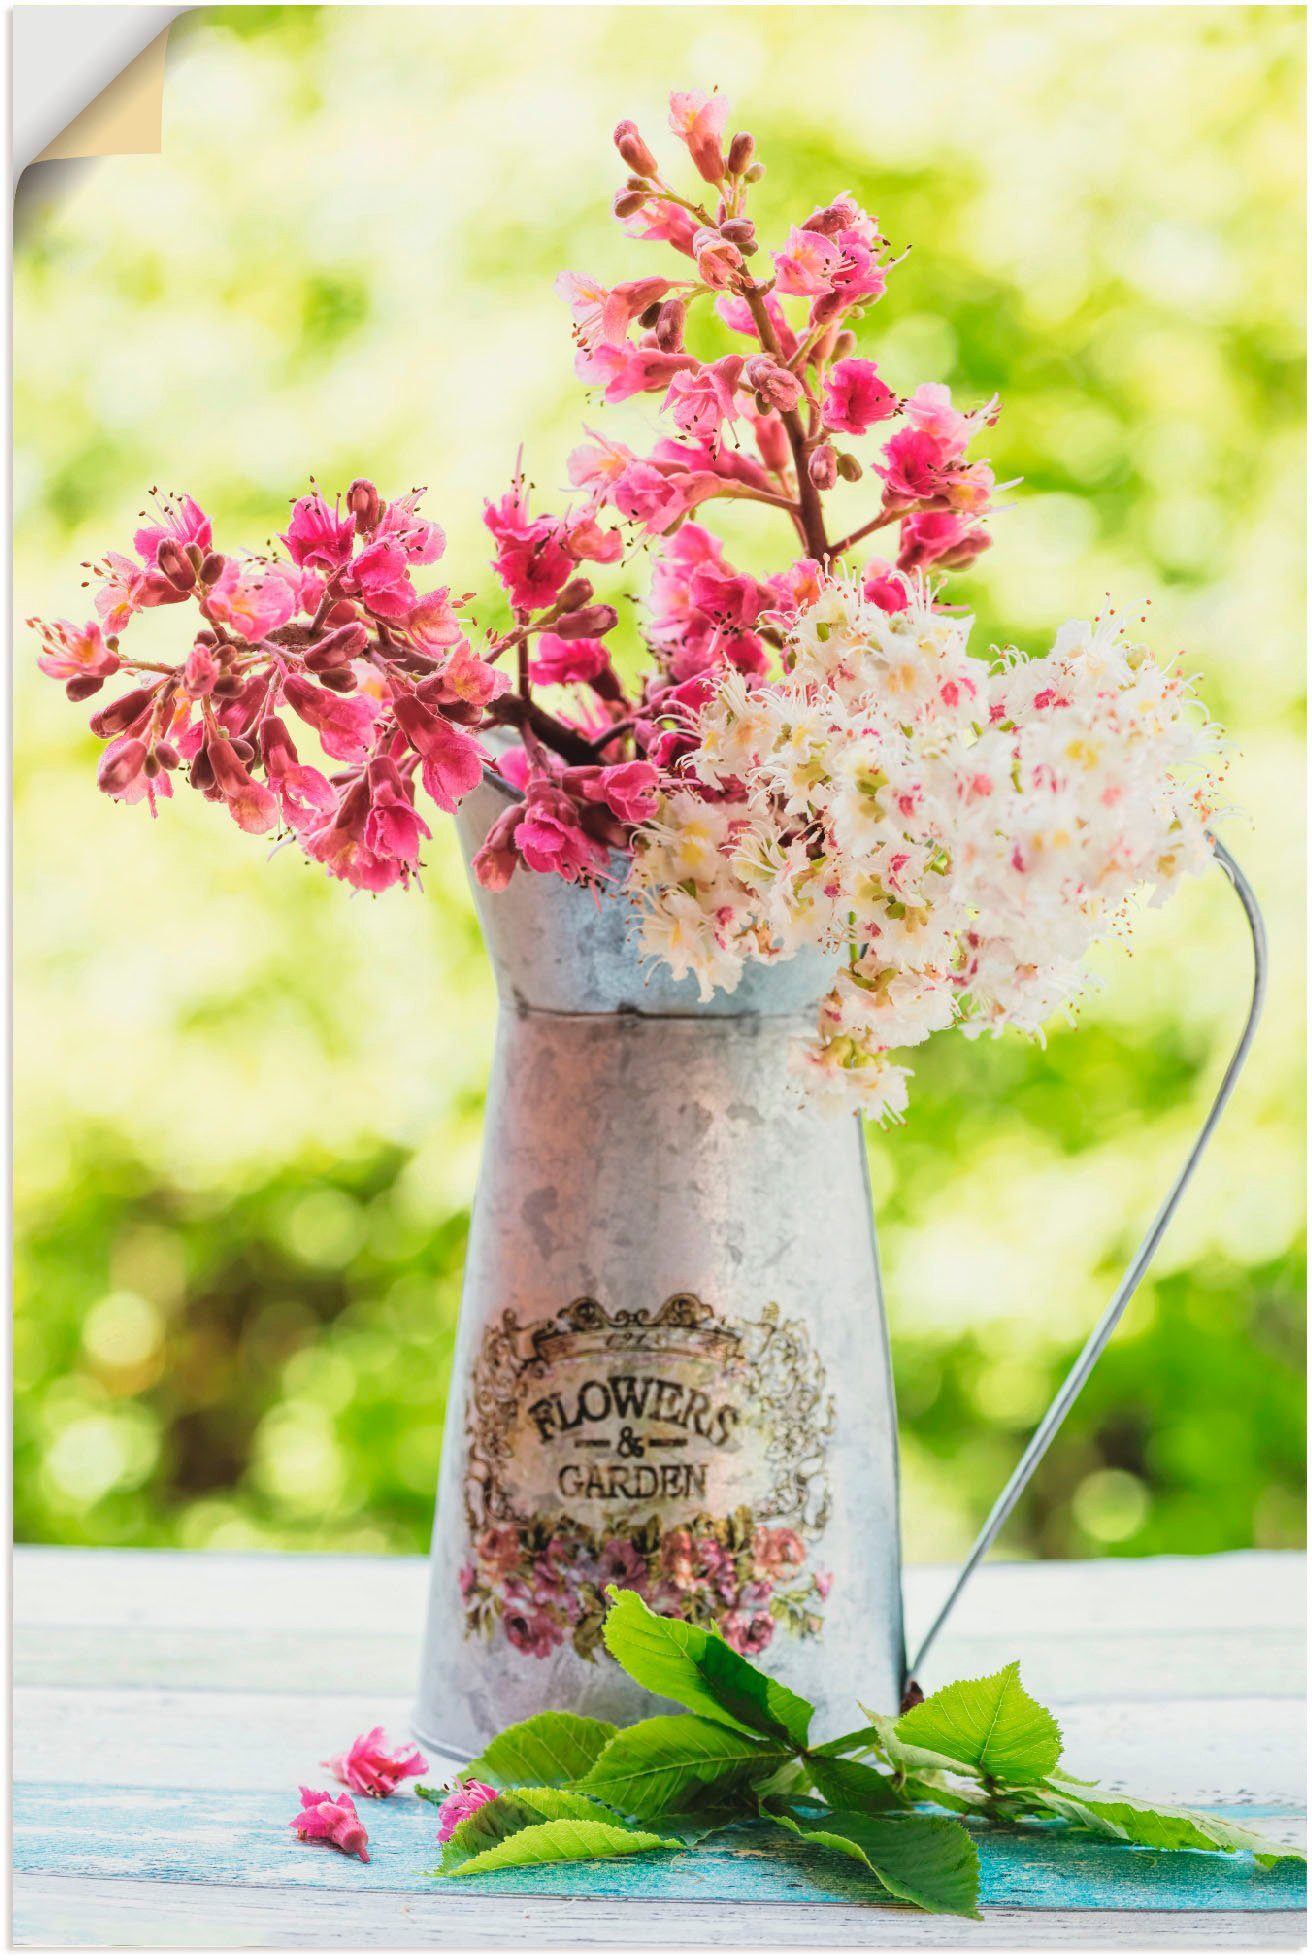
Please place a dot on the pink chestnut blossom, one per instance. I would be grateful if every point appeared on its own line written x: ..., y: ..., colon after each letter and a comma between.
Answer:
x: 702, y: 400
x: 729, y: 598
x: 305, y: 796
x: 806, y: 263
x: 855, y: 397
x: 121, y: 594
x: 629, y: 789
x: 422, y: 541
x: 699, y: 121
x: 371, y: 1769
x: 379, y: 576
x: 603, y: 313
x: 624, y: 370
x: 451, y: 761
x: 930, y: 410
x: 532, y: 562
x: 333, y: 1820
x: 597, y: 464
x: 549, y: 836
x: 393, y: 827
x: 343, y: 723
x: 184, y: 523
x: 738, y: 315
x: 71, y: 653
x: 665, y: 223
x: 432, y: 624
x: 558, y: 663
x: 339, y: 846
x: 585, y: 538
x: 881, y: 585
x: 251, y: 597
x: 251, y: 805
x: 319, y: 535
x: 467, y: 678
x: 939, y: 537
x: 463, y: 1801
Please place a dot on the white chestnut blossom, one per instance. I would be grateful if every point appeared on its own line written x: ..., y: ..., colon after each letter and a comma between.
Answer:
x: 956, y: 834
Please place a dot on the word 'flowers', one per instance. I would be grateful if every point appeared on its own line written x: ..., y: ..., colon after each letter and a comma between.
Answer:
x: 954, y: 835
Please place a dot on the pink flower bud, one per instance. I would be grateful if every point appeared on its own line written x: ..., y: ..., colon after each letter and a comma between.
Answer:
x: 669, y: 326
x: 741, y: 151
x: 576, y: 593
x: 344, y: 644
x: 848, y: 467
x: 844, y: 344
x: 823, y: 467
x: 120, y: 714
x: 83, y: 686
x: 753, y: 173
x: 202, y: 776
x: 176, y: 565
x: 740, y: 232
x: 634, y: 151
x: 120, y: 766
x: 771, y: 441
x: 588, y: 623
x: 626, y: 202
x: 777, y: 386
x: 227, y: 687
x: 167, y: 754
x: 211, y: 567
x: 339, y: 680
x: 364, y: 504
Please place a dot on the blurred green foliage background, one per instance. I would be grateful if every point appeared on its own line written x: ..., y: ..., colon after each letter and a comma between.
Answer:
x: 248, y: 1105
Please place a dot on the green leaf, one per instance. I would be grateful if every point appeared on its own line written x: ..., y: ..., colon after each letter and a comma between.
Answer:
x: 695, y: 1666
x: 929, y: 1861
x: 563, y: 1841
x: 1164, y: 1827
x: 553, y: 1747
x: 991, y: 1725
x: 906, y: 1755
x: 852, y: 1786
x: 510, y: 1815
x: 485, y: 1827
x: 852, y: 1744
x: 677, y: 1763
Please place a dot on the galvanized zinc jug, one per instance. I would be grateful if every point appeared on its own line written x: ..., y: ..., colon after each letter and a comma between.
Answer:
x: 672, y: 1368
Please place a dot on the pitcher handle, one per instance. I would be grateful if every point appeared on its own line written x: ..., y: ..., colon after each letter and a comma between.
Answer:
x: 1064, y: 1399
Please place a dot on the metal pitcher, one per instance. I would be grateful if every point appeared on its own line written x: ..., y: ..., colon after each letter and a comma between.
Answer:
x: 672, y: 1367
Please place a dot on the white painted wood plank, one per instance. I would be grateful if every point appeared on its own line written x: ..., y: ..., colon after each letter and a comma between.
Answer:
x: 95, y: 1912
x: 1196, y: 1752
x: 1075, y: 1666
x: 55, y: 1585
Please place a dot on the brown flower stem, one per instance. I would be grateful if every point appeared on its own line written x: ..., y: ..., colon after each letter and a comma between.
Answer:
x: 809, y: 507
x: 854, y: 537
x: 517, y: 711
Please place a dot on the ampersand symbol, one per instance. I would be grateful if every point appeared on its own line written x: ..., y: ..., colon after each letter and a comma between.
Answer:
x: 629, y: 1444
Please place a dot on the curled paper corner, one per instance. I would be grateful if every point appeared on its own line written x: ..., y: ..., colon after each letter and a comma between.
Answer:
x: 125, y: 119
x: 87, y: 81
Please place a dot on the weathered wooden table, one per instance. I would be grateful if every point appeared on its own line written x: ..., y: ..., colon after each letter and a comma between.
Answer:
x: 168, y: 1704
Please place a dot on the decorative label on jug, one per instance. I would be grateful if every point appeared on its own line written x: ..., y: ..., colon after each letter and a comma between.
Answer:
x: 667, y: 1450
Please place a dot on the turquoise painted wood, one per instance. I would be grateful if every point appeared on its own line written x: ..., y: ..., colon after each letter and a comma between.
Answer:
x: 177, y: 1698
x: 234, y: 1839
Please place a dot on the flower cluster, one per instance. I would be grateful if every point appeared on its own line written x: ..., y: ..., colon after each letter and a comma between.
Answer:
x: 954, y: 834
x: 544, y: 1584
x: 976, y: 904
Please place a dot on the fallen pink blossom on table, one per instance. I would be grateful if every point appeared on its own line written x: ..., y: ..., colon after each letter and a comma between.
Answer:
x: 371, y: 1768
x: 332, y: 1819
x: 463, y: 1801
